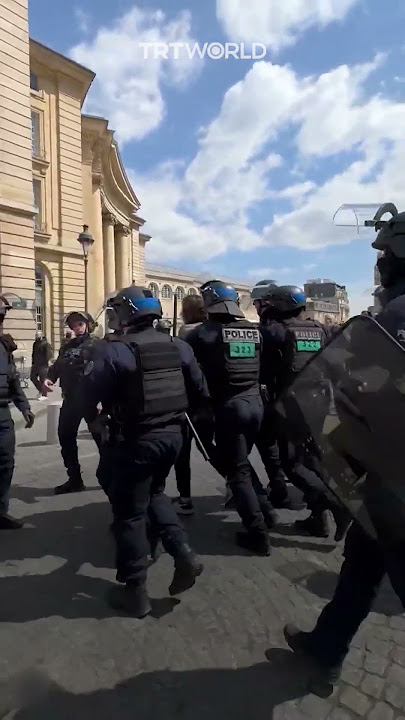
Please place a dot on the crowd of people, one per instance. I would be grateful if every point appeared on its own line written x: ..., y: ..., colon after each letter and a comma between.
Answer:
x: 145, y: 395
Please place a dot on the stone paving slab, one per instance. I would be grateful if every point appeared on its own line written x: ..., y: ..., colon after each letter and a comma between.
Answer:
x: 217, y: 653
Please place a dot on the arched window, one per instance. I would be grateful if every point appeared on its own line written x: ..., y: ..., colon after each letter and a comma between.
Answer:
x: 180, y: 292
x: 154, y: 289
x: 39, y: 299
x: 192, y: 291
x: 166, y: 292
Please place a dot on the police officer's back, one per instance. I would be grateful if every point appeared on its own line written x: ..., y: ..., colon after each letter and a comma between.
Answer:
x: 145, y: 380
x: 227, y: 346
x: 10, y: 391
x: 68, y: 369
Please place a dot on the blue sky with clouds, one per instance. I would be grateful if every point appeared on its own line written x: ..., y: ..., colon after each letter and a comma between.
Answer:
x: 240, y: 164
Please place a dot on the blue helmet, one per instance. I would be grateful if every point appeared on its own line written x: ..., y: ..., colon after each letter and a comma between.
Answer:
x: 133, y: 303
x: 221, y: 299
x: 286, y: 299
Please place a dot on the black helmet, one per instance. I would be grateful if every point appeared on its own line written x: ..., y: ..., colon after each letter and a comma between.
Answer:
x: 261, y: 289
x: 391, y: 233
x: 221, y: 299
x: 79, y: 316
x: 133, y: 303
x: 286, y: 299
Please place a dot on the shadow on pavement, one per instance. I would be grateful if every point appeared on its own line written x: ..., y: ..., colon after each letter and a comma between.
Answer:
x: 303, y: 542
x: 30, y: 494
x: 217, y: 694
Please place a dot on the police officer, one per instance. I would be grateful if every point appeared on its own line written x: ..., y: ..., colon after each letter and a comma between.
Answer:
x: 227, y: 348
x: 289, y: 341
x: 145, y: 380
x: 268, y: 442
x: 10, y: 391
x: 366, y: 560
x: 68, y: 369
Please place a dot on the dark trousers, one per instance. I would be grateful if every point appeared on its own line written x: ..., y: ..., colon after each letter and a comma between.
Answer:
x: 267, y: 445
x: 38, y: 376
x: 7, y: 452
x: 237, y: 424
x: 182, y: 466
x: 365, y: 564
x: 136, y: 494
x: 71, y: 415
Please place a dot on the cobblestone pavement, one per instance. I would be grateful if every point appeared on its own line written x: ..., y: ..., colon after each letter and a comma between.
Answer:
x: 218, y: 653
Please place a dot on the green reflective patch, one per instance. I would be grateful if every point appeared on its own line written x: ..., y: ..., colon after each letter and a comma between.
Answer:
x: 308, y: 345
x: 241, y: 349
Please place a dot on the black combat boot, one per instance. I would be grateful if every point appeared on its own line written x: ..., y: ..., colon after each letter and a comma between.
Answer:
x: 316, y: 525
x: 73, y: 485
x: 271, y: 518
x: 187, y: 567
x: 301, y: 644
x: 9, y: 523
x: 257, y: 543
x: 133, y: 599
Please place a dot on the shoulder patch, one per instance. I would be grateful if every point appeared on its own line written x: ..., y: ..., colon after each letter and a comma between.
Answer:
x: 89, y: 367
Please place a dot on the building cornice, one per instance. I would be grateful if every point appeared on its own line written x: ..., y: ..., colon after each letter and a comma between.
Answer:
x: 52, y: 60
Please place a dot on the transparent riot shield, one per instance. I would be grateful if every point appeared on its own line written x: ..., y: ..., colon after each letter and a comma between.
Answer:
x: 345, y: 412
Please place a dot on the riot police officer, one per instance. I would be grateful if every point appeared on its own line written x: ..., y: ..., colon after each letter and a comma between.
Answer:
x: 289, y: 342
x: 268, y: 442
x: 366, y: 559
x: 145, y: 380
x: 227, y: 347
x: 10, y: 391
x: 68, y: 369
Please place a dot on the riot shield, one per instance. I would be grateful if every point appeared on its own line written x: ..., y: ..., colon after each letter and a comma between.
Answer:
x: 345, y: 412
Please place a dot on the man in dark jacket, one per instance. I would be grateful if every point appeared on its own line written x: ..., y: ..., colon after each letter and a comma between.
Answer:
x: 10, y: 391
x: 42, y: 354
x: 68, y: 369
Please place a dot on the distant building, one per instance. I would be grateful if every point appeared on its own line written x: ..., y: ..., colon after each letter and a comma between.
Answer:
x: 165, y: 282
x: 327, y: 301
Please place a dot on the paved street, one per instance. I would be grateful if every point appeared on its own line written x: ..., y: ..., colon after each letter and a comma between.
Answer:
x: 218, y: 653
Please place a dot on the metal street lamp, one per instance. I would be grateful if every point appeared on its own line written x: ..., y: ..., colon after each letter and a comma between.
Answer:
x: 86, y: 240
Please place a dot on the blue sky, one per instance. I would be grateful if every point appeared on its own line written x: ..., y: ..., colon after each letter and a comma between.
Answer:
x: 240, y: 164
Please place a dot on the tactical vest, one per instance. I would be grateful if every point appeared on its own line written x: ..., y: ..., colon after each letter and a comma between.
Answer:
x: 155, y: 394
x: 303, y: 339
x: 75, y: 357
x: 233, y: 367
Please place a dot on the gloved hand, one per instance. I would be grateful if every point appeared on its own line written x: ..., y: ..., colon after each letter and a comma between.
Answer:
x: 29, y: 418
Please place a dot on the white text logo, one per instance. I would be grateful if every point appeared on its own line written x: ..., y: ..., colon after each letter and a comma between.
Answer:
x: 214, y: 51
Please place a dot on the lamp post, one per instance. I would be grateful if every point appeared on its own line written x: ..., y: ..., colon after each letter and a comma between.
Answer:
x: 86, y: 240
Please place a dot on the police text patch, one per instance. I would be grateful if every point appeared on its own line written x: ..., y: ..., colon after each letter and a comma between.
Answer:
x: 244, y: 335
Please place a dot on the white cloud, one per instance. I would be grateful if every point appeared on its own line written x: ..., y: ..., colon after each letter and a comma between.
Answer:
x: 269, y: 272
x: 203, y: 209
x: 278, y: 23
x: 82, y: 19
x: 128, y: 87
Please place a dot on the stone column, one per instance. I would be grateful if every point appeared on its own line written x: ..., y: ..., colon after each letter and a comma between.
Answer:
x: 122, y: 256
x: 96, y: 256
x: 109, y: 254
